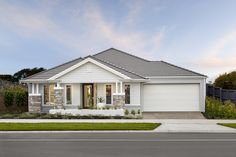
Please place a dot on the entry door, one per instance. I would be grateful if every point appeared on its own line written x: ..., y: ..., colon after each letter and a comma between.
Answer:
x: 87, y: 95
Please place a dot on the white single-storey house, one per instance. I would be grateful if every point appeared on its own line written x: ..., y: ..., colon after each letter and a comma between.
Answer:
x: 120, y: 79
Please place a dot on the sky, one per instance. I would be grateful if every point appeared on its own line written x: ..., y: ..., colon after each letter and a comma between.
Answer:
x: 197, y: 35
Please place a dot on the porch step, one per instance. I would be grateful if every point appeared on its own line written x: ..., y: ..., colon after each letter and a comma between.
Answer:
x: 173, y: 115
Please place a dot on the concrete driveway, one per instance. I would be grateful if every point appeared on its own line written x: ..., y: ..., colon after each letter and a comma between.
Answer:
x: 173, y: 115
x: 199, y: 125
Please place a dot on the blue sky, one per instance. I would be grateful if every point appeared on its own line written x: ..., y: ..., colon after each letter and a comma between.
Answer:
x: 198, y: 35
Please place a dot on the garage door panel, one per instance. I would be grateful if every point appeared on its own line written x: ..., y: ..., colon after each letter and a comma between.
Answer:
x: 171, y: 97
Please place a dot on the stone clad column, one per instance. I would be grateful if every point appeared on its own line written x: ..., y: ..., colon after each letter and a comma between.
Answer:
x: 34, y: 103
x: 119, y: 100
x: 34, y: 99
x: 119, y: 97
x: 59, y: 99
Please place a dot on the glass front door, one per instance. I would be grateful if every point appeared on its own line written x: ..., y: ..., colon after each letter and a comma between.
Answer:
x: 87, y: 95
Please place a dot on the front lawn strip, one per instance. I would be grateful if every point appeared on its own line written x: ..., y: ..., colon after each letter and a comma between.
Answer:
x: 76, y: 126
x: 231, y: 125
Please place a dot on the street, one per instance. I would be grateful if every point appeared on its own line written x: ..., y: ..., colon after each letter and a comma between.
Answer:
x: 117, y: 144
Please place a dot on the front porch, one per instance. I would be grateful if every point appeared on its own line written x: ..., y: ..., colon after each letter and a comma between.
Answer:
x: 46, y: 96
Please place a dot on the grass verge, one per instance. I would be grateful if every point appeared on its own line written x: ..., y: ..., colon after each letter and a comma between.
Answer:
x: 231, y: 125
x: 76, y: 126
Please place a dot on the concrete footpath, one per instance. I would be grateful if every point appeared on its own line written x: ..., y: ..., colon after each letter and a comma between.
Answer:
x: 168, y: 125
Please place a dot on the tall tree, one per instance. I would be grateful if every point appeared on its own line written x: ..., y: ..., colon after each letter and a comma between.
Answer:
x: 26, y: 73
x: 226, y: 81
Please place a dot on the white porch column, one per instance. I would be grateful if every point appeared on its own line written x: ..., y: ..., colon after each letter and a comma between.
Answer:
x: 37, y: 88
x: 58, y: 85
x: 121, y: 87
x: 116, y: 87
x: 32, y: 88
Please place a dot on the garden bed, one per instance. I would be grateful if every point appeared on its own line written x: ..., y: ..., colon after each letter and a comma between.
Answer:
x: 215, y: 109
x: 86, y: 112
x: 27, y: 115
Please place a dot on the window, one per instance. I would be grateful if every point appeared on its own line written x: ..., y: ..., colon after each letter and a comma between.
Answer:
x: 49, y: 94
x: 68, y: 94
x: 108, y: 94
x: 127, y: 94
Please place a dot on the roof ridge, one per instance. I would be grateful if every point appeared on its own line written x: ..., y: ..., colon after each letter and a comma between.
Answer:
x: 182, y: 68
x: 124, y: 53
x: 52, y: 68
x: 118, y: 67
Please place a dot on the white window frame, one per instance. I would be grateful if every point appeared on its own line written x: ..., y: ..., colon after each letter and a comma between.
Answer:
x: 66, y: 94
x: 106, y: 93
x: 129, y: 92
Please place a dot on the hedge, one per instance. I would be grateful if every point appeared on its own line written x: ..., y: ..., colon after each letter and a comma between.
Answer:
x: 15, y: 96
x: 215, y: 109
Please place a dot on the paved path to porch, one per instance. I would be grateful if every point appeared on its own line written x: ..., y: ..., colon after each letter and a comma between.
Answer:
x: 168, y: 125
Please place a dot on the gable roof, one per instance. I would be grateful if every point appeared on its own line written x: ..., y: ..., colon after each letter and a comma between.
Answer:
x: 132, y: 66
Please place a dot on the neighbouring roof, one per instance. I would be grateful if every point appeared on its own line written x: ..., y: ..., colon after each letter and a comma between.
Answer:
x: 125, y: 63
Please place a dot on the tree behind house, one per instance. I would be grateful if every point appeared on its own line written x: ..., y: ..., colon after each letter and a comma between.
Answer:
x: 226, y: 81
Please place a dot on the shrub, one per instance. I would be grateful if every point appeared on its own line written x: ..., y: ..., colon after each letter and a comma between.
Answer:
x: 15, y: 96
x: 101, y: 99
x: 8, y: 94
x: 46, y: 116
x: 217, y: 109
x: 107, y: 107
x: 126, y: 112
x: 138, y: 111
x: 8, y: 116
x: 20, y: 97
x: 27, y: 115
x: 133, y: 112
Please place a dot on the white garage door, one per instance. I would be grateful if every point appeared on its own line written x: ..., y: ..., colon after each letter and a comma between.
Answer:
x: 171, y: 97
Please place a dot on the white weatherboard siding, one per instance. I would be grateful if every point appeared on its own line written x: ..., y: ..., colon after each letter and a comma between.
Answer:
x: 135, y: 92
x: 89, y: 73
x: 171, y: 97
x: 76, y: 95
x: 101, y: 91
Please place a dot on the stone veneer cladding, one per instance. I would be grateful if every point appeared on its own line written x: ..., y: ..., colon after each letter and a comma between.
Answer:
x: 59, y: 97
x: 35, y: 102
x: 119, y: 101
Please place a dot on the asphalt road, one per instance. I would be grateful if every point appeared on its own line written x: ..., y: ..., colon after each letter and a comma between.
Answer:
x: 118, y: 145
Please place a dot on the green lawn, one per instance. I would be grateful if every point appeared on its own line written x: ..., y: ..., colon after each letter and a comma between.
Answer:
x: 76, y: 126
x: 232, y: 125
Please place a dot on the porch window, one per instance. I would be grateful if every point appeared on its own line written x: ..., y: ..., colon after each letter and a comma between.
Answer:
x: 108, y: 94
x: 49, y: 94
x: 127, y: 94
x: 68, y: 94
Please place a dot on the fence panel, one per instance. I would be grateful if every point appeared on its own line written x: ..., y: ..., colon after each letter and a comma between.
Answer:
x: 222, y: 94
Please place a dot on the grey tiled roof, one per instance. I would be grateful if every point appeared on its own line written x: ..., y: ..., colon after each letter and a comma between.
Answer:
x: 141, y: 66
x: 127, y: 64
x: 55, y: 70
